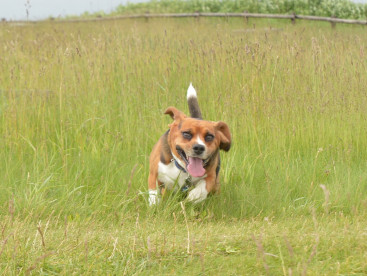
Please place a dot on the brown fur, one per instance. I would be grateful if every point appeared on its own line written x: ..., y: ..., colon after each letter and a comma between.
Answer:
x: 198, y: 128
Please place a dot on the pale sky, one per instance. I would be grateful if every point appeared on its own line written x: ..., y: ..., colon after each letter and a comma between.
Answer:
x: 42, y: 9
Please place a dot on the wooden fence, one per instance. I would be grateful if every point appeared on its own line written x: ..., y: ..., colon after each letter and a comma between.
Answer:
x: 245, y: 15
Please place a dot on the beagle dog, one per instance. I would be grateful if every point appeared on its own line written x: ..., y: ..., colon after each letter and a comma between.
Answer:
x: 187, y: 157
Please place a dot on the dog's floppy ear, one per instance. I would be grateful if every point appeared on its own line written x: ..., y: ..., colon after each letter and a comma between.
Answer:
x: 175, y: 113
x: 224, y: 135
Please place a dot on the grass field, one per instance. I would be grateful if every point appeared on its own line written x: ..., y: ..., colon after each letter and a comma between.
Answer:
x: 81, y: 105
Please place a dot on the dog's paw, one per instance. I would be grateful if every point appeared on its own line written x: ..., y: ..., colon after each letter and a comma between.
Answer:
x: 153, y: 197
x: 199, y: 193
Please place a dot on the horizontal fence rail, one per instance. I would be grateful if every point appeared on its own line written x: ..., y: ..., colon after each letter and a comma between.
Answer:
x: 245, y: 15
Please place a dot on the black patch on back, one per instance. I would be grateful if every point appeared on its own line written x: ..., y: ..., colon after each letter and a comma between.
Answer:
x: 212, y: 158
x: 166, y: 151
x: 162, y: 158
x: 194, y: 108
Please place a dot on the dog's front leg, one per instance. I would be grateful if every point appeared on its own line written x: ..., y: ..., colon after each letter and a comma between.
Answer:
x: 202, y: 189
x: 199, y: 193
x: 154, y: 192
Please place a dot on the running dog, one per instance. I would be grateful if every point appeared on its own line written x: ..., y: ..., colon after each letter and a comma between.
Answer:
x: 187, y: 157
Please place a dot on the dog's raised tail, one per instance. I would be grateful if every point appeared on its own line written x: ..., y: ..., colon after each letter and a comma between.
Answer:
x: 193, y: 103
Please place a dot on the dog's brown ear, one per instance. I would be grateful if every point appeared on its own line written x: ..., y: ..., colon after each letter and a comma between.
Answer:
x: 175, y: 113
x: 224, y: 135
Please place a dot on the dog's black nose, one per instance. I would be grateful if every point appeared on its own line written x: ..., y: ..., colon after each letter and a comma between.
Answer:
x: 198, y: 149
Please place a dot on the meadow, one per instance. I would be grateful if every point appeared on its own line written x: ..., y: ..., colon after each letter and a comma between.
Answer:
x: 81, y: 106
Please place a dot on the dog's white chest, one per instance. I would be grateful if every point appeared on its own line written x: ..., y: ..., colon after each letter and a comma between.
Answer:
x: 174, y: 178
x: 171, y: 175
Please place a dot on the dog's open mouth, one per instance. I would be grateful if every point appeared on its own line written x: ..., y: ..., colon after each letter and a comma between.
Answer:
x: 194, y: 165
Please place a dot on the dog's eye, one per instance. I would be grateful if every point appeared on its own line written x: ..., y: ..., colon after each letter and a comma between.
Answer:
x: 187, y: 135
x: 209, y: 137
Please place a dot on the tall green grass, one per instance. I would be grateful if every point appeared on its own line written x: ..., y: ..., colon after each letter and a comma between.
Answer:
x: 82, y: 106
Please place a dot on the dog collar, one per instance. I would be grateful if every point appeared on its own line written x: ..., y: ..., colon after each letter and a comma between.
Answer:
x: 178, y: 165
x: 188, y: 180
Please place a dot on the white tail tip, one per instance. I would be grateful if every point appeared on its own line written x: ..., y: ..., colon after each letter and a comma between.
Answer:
x: 191, y: 92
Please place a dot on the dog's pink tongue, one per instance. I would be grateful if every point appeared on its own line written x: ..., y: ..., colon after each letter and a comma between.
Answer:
x: 195, y: 167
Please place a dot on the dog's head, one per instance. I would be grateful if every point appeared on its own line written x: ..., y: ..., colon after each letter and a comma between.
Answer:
x: 195, y: 141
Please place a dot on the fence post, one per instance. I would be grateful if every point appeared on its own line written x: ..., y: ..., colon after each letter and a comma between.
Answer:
x: 246, y: 18
x: 333, y: 24
x: 146, y: 16
x: 293, y: 18
x: 197, y: 15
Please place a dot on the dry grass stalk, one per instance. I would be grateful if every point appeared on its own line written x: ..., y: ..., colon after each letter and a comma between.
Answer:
x: 86, y: 247
x: 11, y: 209
x: 38, y: 260
x: 289, y: 246
x: 131, y: 178
x: 149, y: 247
x: 193, y: 243
x: 327, y: 198
x: 314, y: 219
x: 187, y: 227
x: 114, y: 248
x: 202, y: 262
x: 314, y: 248
x: 312, y: 255
x: 4, y: 243
x: 261, y: 252
x: 3, y: 230
x: 41, y: 233
x: 66, y: 227
x: 136, y: 231
x: 174, y: 229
